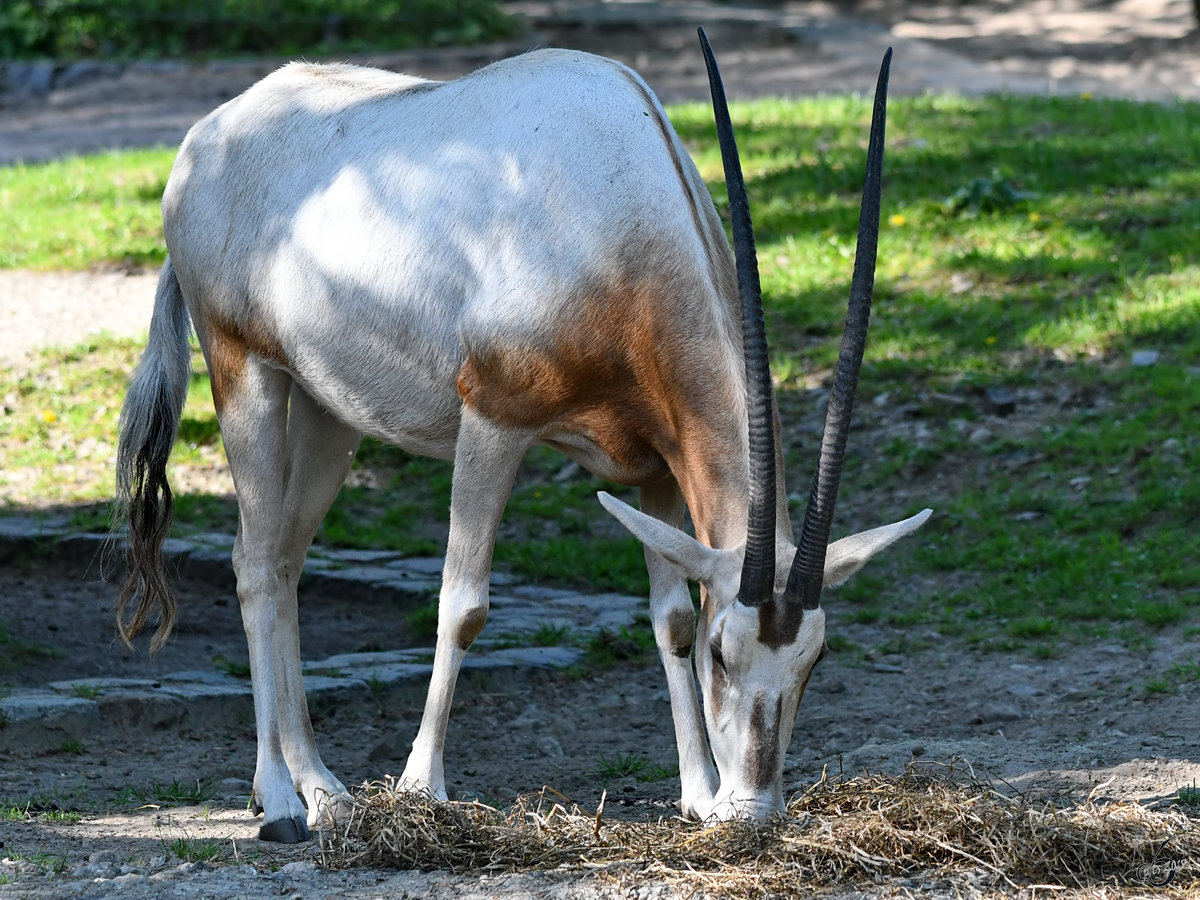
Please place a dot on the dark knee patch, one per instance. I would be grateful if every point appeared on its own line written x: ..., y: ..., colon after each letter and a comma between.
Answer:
x: 469, y: 627
x: 681, y: 631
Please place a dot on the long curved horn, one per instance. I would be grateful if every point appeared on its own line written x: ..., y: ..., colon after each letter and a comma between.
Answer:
x: 808, y: 569
x: 758, y: 569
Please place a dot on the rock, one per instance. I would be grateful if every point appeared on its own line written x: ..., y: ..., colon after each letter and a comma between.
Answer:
x: 1024, y: 691
x: 98, y: 869
x: 961, y: 283
x: 388, y: 749
x: 1001, y: 401
x: 84, y: 72
x: 532, y: 717
x: 996, y: 711
x: 30, y: 77
x: 980, y: 436
x: 549, y: 746
x: 304, y: 868
x: 234, y: 787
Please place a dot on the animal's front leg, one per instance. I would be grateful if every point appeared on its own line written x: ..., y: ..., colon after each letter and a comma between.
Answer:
x: 485, y: 465
x: 674, y: 621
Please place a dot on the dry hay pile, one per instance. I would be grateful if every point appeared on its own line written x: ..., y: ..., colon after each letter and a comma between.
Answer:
x: 839, y: 832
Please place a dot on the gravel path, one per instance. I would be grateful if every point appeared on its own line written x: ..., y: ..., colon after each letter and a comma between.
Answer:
x: 51, y: 309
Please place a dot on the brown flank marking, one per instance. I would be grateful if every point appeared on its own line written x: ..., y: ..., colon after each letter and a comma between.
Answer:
x: 634, y: 369
x: 228, y: 347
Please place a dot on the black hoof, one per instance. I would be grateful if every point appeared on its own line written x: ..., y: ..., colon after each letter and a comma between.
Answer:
x: 285, y: 831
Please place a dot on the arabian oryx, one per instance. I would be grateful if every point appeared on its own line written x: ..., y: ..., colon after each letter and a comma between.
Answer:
x: 524, y: 255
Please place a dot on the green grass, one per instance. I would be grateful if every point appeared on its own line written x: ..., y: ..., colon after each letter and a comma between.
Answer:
x: 49, y: 863
x: 633, y: 765
x: 621, y: 766
x: 57, y: 438
x: 84, y: 211
x: 1029, y: 245
x: 191, y: 850
x: 15, y: 652
x: 13, y: 813
x: 1169, y: 682
x: 631, y: 643
x: 176, y: 793
x: 549, y: 634
x: 49, y: 808
x: 235, y: 668
x: 422, y: 621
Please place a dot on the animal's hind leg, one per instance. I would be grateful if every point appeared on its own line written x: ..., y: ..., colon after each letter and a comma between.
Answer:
x: 252, y: 404
x: 319, y: 452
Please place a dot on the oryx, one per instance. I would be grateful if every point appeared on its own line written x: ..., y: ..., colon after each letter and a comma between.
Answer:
x: 523, y: 255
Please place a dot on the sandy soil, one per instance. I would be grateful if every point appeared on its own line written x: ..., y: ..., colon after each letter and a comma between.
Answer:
x: 1080, y: 722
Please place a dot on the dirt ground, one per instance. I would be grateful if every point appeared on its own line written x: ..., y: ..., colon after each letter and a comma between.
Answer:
x: 1078, y: 723
x: 1074, y: 725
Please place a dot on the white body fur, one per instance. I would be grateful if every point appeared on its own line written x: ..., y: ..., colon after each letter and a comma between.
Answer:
x: 464, y: 269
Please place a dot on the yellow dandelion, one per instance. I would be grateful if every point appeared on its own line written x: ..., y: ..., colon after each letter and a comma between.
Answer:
x: 896, y: 220
x: 48, y: 416
x: 1035, y: 217
x: 991, y: 340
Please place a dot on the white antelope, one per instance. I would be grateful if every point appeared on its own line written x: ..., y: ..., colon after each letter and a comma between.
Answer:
x: 524, y: 255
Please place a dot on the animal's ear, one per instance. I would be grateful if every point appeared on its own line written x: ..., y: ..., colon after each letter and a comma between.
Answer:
x: 687, y: 555
x: 847, y: 556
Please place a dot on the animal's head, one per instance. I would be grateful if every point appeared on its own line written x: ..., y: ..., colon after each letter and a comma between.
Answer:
x: 762, y: 629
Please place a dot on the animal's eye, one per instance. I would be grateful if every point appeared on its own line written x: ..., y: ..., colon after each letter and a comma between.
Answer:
x: 718, y: 659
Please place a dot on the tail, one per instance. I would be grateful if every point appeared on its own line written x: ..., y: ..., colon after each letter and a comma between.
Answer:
x: 149, y: 424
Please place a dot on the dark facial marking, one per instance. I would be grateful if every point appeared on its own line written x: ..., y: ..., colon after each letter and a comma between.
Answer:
x: 762, y: 763
x: 779, y: 623
x: 716, y: 688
